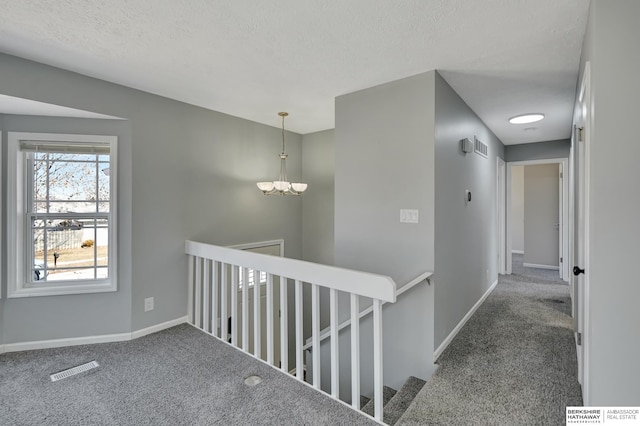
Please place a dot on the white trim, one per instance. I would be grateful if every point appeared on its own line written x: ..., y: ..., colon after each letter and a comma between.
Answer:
x: 90, y: 340
x: 260, y: 244
x: 535, y: 265
x: 158, y: 327
x: 517, y: 251
x: 462, y: 322
x: 565, y: 220
x: 17, y: 282
x: 501, y: 211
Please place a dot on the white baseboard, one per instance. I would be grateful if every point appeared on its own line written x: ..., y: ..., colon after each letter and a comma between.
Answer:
x: 462, y: 322
x: 89, y: 340
x: 517, y: 251
x: 59, y: 343
x: 158, y: 327
x: 534, y: 265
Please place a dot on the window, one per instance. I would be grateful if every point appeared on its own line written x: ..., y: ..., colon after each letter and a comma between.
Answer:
x: 63, y: 225
x: 251, y: 280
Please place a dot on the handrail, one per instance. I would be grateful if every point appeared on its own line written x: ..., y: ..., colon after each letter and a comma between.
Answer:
x: 214, y: 277
x: 356, y: 282
x: 324, y: 334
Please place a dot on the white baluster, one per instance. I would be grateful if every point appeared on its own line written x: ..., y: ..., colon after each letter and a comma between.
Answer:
x: 190, y: 284
x: 284, y: 326
x: 377, y: 358
x: 270, y: 342
x: 245, y: 310
x: 234, y: 305
x: 206, y: 298
x: 335, y: 356
x: 315, y: 333
x: 224, y: 299
x: 198, y: 320
x: 257, y: 332
x: 299, y: 330
x: 215, y: 289
x: 355, y: 351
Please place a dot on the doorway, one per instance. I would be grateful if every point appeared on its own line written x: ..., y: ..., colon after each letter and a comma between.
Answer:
x: 550, y: 228
x: 257, y: 338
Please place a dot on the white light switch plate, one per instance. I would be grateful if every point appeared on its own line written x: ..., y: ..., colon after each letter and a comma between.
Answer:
x: 409, y: 216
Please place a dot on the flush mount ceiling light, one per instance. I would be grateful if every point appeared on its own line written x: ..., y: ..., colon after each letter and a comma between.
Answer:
x: 281, y: 186
x: 526, y: 118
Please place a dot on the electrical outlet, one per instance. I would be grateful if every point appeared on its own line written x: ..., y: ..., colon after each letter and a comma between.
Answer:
x: 148, y: 304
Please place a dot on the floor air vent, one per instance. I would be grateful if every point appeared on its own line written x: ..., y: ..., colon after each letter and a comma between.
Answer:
x: 73, y: 371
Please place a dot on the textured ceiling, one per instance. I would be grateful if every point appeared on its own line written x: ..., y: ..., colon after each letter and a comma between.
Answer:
x: 252, y: 59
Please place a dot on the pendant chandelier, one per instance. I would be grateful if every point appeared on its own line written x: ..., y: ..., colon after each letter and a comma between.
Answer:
x: 282, y: 186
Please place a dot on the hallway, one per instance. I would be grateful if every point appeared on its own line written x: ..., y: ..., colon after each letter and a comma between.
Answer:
x: 517, y: 268
x: 513, y: 363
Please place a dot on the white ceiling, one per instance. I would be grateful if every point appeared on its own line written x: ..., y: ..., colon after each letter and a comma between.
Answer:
x: 252, y: 59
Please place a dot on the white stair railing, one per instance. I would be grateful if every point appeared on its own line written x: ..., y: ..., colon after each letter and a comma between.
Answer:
x: 354, y: 322
x: 214, y: 283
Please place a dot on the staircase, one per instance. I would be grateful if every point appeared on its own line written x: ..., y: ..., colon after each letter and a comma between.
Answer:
x: 395, y: 402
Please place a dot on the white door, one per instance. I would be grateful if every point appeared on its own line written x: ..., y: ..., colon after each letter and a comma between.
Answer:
x: 580, y: 270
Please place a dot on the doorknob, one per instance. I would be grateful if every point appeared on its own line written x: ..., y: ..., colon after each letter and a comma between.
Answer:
x: 577, y: 271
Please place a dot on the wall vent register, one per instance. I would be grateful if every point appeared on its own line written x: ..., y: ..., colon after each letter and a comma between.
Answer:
x: 481, y: 148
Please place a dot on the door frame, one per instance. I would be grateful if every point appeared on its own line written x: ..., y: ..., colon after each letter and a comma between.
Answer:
x: 501, y: 209
x: 564, y: 219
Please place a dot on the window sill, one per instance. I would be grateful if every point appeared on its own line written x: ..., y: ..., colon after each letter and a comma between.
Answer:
x: 62, y: 289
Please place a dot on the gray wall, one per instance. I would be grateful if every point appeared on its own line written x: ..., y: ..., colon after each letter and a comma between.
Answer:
x: 541, y: 213
x: 43, y: 318
x: 538, y: 150
x: 318, y: 169
x: 611, y: 46
x: 517, y: 208
x: 384, y: 137
x: 193, y: 174
x: 466, y: 245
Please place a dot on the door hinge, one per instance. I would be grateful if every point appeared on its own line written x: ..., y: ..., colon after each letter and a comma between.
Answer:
x: 561, y: 175
x: 579, y: 339
x: 561, y: 260
x: 581, y: 134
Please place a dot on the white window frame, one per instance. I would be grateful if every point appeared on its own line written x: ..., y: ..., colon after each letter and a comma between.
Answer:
x: 18, y: 284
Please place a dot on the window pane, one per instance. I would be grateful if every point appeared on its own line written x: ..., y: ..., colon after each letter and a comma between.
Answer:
x: 72, y: 206
x: 70, y: 249
x: 65, y: 183
x: 71, y: 274
x: 103, y: 207
x: 72, y: 180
